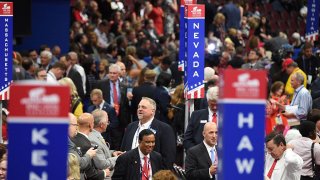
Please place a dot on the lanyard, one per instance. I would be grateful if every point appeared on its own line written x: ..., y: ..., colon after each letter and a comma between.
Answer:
x: 294, y: 99
x: 137, y: 136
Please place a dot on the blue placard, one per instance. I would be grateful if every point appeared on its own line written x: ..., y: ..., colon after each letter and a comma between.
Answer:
x: 194, y: 56
x: 39, y: 151
x: 6, y: 32
x: 241, y: 141
x: 312, y: 28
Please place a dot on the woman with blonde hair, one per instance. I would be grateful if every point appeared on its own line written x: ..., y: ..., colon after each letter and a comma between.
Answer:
x: 73, y: 167
x: 76, y: 106
x: 103, y: 69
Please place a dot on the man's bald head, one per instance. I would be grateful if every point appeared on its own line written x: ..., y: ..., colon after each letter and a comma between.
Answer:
x: 210, y: 133
x: 85, y: 122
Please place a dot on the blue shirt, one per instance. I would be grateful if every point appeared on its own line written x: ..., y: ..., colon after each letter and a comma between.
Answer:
x: 303, y: 100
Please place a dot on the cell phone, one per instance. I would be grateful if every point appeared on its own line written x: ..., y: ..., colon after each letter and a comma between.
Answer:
x: 95, y: 147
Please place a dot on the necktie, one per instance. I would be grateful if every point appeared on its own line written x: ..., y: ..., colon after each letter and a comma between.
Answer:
x: 145, y: 169
x: 272, y: 168
x: 214, y: 118
x: 212, y: 155
x: 115, y: 98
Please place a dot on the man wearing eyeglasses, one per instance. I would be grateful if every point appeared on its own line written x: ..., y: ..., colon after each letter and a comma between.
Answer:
x: 105, y: 157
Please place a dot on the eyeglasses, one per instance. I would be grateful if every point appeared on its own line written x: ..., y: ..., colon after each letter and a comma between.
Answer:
x: 74, y: 124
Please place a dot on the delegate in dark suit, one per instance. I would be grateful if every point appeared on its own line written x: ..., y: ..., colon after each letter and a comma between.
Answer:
x: 124, y: 113
x: 198, y: 163
x: 165, y: 140
x: 128, y: 165
x: 77, y: 80
x: 84, y: 143
x: 193, y: 134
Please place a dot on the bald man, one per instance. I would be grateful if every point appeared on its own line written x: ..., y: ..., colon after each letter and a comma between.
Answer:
x: 81, y: 140
x: 202, y: 159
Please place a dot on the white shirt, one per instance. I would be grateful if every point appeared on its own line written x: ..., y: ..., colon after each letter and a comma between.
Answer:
x: 51, y: 78
x: 101, y: 105
x: 135, y: 141
x: 287, y: 167
x: 142, y: 163
x: 83, y: 76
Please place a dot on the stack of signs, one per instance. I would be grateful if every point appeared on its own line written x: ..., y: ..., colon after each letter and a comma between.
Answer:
x: 241, y: 124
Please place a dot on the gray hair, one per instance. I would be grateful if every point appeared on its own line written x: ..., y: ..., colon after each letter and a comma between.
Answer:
x: 299, y: 77
x: 98, y: 116
x: 213, y: 93
x: 73, y: 55
x: 151, y: 101
x: 46, y: 54
x: 115, y: 66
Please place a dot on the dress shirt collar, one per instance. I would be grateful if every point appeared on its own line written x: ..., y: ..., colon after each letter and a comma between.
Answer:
x: 208, y: 147
x: 146, y: 125
x: 101, y: 105
x: 83, y: 134
x: 299, y: 88
x: 141, y: 155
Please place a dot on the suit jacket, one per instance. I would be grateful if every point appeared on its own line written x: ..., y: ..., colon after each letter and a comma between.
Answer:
x: 75, y: 76
x: 163, y: 100
x: 193, y: 134
x: 124, y: 112
x: 165, y: 140
x: 90, y: 171
x: 103, y: 158
x: 287, y: 167
x: 258, y: 65
x: 198, y: 163
x: 128, y: 165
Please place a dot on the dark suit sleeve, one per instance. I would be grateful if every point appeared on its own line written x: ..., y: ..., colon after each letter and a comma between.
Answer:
x: 168, y: 146
x: 126, y: 138
x: 77, y: 80
x: 188, y: 141
x: 119, y: 169
x: 93, y: 173
x: 192, y: 170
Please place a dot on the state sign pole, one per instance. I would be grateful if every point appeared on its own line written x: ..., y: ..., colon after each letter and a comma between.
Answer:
x: 194, y: 56
x: 6, y: 37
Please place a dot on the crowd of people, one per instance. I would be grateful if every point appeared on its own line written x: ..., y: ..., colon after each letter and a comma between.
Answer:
x: 127, y: 106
